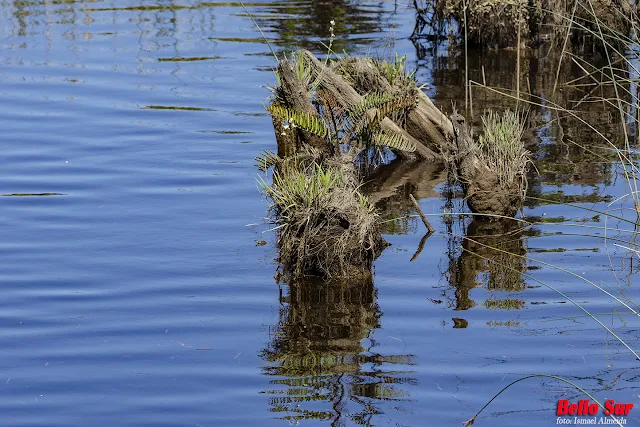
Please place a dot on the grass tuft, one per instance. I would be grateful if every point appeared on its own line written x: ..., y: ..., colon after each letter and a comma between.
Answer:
x: 502, y: 148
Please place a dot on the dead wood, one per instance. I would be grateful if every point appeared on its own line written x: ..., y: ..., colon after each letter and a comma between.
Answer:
x: 436, y: 137
x: 348, y: 98
x: 426, y: 123
x: 296, y: 96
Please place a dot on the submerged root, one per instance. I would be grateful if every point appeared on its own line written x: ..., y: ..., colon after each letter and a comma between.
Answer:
x: 326, y: 227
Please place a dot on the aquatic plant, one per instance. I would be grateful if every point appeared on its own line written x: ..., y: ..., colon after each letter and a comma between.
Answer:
x: 621, y: 217
x: 492, y: 23
x: 356, y: 127
x: 613, y: 420
x: 492, y: 170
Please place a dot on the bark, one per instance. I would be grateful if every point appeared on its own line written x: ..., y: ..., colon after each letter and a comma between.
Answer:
x: 426, y: 123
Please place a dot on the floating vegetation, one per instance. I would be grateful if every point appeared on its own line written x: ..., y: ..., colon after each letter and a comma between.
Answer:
x: 504, y: 304
x: 546, y: 219
x: 561, y: 197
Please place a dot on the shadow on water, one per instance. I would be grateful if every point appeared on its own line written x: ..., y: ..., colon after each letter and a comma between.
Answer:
x: 389, y: 188
x: 322, y: 356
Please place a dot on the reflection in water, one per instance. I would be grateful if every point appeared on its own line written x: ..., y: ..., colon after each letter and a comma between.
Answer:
x: 389, y: 188
x: 288, y: 24
x: 322, y: 358
x: 576, y: 152
x: 307, y: 24
x: 491, y: 256
x: 154, y: 173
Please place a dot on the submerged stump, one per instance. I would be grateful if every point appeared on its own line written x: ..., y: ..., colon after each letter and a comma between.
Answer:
x: 492, y: 169
x: 325, y: 116
x: 325, y: 226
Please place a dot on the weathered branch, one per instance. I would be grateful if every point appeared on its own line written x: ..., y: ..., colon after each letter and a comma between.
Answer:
x: 426, y: 123
x: 347, y: 96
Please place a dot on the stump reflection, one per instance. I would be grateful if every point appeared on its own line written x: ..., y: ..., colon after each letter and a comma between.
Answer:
x: 322, y: 358
x: 491, y: 256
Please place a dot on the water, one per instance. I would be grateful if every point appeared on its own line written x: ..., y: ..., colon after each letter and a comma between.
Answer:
x: 138, y: 295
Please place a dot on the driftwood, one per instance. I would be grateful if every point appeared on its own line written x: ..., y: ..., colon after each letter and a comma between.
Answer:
x: 427, y: 128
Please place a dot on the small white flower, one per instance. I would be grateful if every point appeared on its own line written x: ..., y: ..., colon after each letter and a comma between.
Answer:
x: 286, y: 126
x: 332, y: 22
x: 283, y: 134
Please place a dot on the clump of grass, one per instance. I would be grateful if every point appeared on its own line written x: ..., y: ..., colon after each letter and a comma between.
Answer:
x: 493, y: 168
x: 396, y: 72
x: 325, y: 225
x: 502, y: 24
x: 502, y: 148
